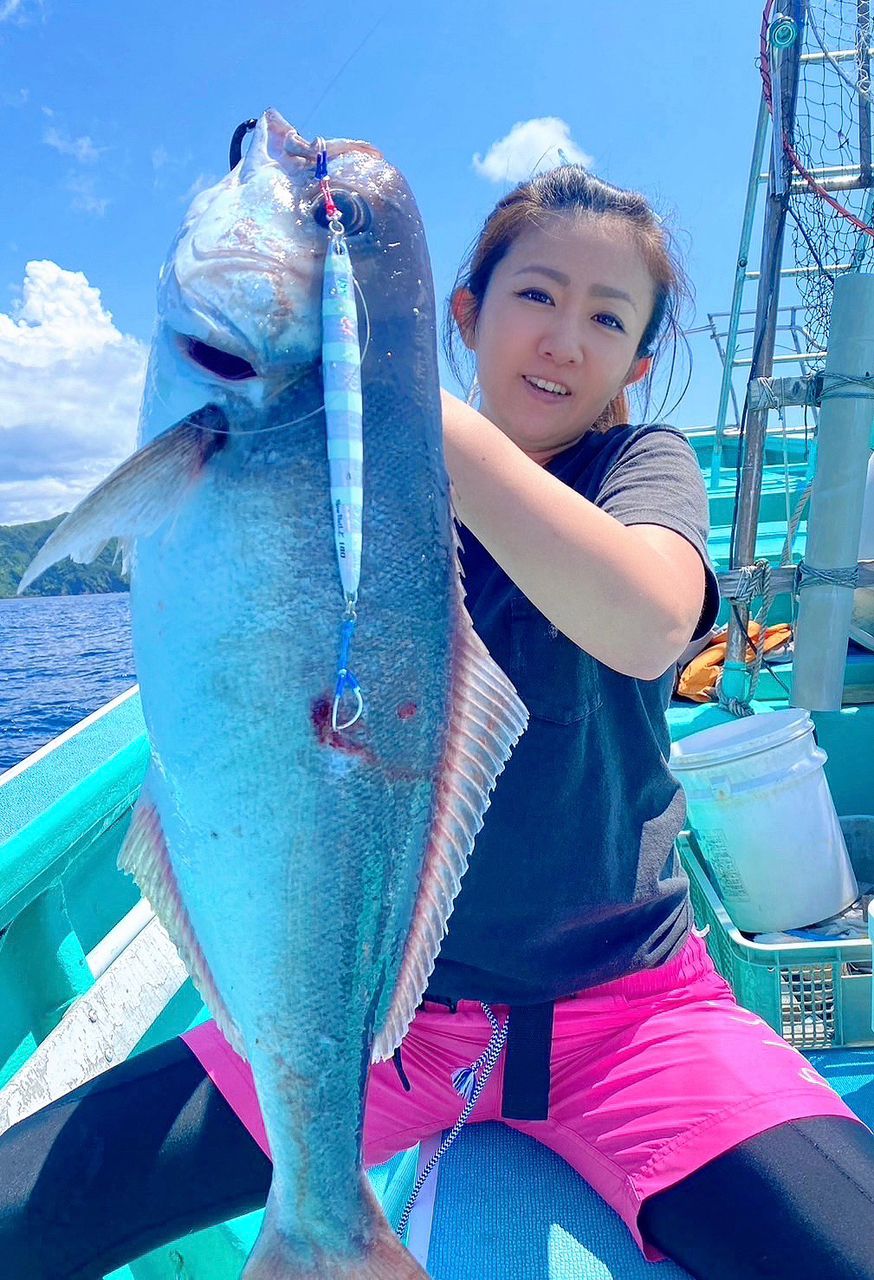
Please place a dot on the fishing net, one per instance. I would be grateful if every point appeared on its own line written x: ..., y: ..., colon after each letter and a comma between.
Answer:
x: 831, y: 195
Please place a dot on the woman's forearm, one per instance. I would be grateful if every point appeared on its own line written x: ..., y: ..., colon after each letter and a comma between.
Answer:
x: 604, y: 585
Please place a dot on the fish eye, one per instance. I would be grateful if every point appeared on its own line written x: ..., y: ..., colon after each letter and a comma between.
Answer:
x: 214, y: 360
x: 354, y: 212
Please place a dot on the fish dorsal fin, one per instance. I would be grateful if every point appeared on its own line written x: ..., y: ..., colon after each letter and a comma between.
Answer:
x: 487, y: 719
x: 144, y: 856
x: 138, y: 496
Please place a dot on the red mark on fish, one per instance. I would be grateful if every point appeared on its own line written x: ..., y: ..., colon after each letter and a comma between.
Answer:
x: 340, y: 739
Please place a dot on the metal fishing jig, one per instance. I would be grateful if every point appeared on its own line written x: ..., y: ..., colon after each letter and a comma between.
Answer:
x: 341, y: 376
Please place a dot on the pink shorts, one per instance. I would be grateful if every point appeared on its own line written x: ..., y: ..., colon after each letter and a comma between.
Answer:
x: 653, y: 1076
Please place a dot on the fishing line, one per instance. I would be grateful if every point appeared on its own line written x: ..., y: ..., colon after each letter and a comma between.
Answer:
x: 329, y: 86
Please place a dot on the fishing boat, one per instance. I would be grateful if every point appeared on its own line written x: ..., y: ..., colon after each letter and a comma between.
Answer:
x: 87, y: 974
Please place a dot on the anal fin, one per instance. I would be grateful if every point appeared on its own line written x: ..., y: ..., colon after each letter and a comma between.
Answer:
x: 144, y: 856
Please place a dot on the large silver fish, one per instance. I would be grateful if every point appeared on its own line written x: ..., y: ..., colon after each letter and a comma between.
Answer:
x: 305, y: 873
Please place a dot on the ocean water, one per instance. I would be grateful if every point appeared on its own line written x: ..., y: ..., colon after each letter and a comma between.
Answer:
x: 61, y: 657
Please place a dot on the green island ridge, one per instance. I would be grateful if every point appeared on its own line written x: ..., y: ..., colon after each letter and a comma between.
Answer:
x: 19, y: 543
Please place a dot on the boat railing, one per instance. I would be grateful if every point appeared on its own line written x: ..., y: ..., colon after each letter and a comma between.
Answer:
x: 86, y: 971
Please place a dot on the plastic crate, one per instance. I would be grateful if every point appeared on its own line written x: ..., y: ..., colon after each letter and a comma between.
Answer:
x: 816, y: 994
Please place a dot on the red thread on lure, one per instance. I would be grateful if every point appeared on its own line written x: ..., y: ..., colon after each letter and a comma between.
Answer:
x: 330, y: 208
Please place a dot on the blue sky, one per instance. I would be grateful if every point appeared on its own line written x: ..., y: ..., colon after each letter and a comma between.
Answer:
x: 113, y: 115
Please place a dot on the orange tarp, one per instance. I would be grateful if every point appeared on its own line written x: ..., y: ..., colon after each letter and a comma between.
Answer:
x: 698, y: 678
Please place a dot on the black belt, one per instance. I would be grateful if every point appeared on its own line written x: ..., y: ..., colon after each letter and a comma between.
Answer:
x: 526, y: 1069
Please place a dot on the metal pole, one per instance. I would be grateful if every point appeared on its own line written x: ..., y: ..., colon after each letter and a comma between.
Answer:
x: 863, y: 54
x: 835, y: 518
x: 737, y: 296
x: 735, y: 681
x: 863, y: 241
x: 863, y: 38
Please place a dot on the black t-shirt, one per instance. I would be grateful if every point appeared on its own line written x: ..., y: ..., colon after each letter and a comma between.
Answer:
x: 574, y: 879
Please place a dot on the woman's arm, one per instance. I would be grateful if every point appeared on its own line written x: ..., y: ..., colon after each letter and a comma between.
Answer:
x: 630, y: 596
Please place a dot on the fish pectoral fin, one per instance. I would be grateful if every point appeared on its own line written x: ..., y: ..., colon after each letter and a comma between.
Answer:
x: 144, y: 855
x: 138, y: 496
x: 487, y: 719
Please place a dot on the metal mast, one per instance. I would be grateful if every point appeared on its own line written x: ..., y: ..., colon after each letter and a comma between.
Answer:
x: 784, y: 36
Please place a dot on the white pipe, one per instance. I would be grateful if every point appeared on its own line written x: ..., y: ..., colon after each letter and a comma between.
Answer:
x: 835, y: 517
x: 101, y: 956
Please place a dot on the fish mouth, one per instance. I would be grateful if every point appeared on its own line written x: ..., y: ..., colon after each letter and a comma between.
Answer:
x: 222, y: 364
x: 231, y: 368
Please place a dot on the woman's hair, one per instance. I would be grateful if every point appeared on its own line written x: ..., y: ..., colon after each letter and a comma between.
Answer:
x: 571, y: 190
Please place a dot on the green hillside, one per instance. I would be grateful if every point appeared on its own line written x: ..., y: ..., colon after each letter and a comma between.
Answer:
x: 19, y: 543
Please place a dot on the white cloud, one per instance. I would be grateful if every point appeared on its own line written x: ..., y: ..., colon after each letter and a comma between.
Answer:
x: 201, y: 183
x: 20, y: 11
x: 80, y: 183
x: 81, y: 149
x: 530, y: 145
x: 85, y: 197
x: 70, y: 389
x: 13, y: 98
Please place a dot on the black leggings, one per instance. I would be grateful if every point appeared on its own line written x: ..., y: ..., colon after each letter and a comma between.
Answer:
x: 150, y: 1151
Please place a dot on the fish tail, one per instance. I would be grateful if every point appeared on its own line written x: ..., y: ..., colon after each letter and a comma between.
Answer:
x: 383, y: 1258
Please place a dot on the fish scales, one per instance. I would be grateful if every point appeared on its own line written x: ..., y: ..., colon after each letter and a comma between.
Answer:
x: 286, y: 858
x: 231, y: 704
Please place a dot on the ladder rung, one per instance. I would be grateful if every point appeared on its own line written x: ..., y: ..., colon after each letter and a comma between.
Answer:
x: 791, y: 359
x: 834, y: 55
x: 804, y: 271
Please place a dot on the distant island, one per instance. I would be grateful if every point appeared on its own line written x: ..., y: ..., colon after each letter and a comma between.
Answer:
x: 19, y: 543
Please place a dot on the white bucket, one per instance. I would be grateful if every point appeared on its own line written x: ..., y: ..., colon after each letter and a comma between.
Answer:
x: 764, y: 817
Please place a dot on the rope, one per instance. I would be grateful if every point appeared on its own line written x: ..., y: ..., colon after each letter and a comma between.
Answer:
x: 831, y: 382
x: 769, y: 394
x: 808, y: 576
x: 735, y: 706
x: 481, y: 1070
x: 752, y: 582
x: 795, y: 521
x: 755, y: 580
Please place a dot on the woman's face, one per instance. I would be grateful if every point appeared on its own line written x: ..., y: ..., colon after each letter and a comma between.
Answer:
x: 567, y: 306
